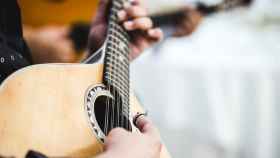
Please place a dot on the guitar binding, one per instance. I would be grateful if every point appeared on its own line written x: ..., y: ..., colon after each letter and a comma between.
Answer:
x: 95, y: 102
x: 90, y: 97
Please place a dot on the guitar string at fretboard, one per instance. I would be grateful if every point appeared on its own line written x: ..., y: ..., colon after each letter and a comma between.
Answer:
x: 116, y: 71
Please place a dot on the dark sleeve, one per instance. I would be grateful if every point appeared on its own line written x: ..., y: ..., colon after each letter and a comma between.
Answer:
x: 34, y: 154
x: 11, y: 28
x: 14, y: 53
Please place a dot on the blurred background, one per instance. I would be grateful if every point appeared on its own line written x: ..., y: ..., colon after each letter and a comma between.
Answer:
x: 212, y: 85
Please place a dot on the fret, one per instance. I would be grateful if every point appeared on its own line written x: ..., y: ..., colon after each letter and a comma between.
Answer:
x: 124, y: 49
x: 114, y: 65
x: 115, y: 84
x: 119, y: 89
x: 119, y: 28
x: 117, y: 37
x: 122, y: 93
x: 115, y: 10
x: 118, y: 54
x: 119, y: 74
x: 119, y: 79
x: 117, y: 63
x: 125, y: 111
x: 116, y: 40
x: 114, y: 18
x: 117, y: 57
x: 120, y: 39
x: 120, y: 48
x: 116, y: 25
x: 118, y: 5
x: 126, y: 107
x: 116, y: 81
x: 112, y: 71
x: 122, y: 75
x: 113, y: 39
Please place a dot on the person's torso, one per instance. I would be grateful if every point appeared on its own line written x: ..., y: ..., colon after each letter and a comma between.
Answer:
x: 14, y: 53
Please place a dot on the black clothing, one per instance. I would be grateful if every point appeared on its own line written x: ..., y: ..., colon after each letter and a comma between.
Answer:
x: 14, y: 53
x: 35, y: 154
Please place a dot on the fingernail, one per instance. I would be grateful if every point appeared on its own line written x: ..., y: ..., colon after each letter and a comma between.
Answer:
x: 121, y: 15
x: 128, y: 25
x: 152, y: 32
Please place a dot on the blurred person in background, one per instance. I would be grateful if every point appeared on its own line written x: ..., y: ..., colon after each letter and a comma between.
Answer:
x: 222, y: 83
x: 63, y: 38
x: 54, y: 29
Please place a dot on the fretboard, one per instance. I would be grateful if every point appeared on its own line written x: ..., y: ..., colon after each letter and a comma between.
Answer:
x: 116, y: 68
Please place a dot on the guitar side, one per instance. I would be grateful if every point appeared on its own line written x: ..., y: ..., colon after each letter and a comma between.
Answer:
x: 42, y: 109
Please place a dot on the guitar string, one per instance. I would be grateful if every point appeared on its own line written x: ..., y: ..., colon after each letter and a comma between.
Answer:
x: 111, y: 90
x: 118, y: 104
x: 113, y: 101
x: 127, y: 102
x: 106, y: 115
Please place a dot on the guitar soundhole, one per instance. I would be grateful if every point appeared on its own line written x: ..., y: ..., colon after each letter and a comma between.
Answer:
x: 110, y: 114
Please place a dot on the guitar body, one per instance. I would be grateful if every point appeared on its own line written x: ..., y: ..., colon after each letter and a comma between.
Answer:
x: 42, y: 109
x: 66, y: 110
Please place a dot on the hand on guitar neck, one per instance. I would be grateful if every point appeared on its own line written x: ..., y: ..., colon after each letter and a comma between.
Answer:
x: 134, y: 19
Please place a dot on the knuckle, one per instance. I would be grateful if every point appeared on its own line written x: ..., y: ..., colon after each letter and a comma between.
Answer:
x: 148, y: 125
x: 159, y: 31
x: 144, y: 22
x: 151, y: 130
x: 137, y: 11
x: 149, y: 21
x: 131, y: 10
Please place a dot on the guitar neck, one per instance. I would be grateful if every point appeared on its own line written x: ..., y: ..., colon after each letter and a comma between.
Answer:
x: 116, y: 63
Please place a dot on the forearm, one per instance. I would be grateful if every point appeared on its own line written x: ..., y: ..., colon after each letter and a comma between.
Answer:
x: 50, y: 44
x: 34, y: 44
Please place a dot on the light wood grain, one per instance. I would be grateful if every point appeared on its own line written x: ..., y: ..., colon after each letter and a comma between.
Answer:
x: 42, y: 108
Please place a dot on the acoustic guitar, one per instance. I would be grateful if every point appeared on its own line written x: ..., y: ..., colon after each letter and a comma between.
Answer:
x: 67, y: 110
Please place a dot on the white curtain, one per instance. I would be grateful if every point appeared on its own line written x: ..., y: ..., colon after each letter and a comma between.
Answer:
x: 216, y: 93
